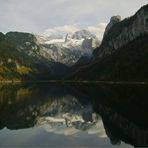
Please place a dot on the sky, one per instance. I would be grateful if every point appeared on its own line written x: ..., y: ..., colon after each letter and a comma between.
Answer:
x: 36, y: 16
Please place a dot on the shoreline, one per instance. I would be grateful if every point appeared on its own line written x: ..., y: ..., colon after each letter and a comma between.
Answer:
x: 78, y: 82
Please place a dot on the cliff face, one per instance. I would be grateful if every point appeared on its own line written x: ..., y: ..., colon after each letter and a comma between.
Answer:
x: 128, y: 63
x: 114, y: 20
x: 118, y: 33
x: 123, y: 53
x: 25, y: 42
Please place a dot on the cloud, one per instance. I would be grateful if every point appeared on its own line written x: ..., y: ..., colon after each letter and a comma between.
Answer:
x: 61, y: 29
x: 98, y: 29
x: 37, y: 15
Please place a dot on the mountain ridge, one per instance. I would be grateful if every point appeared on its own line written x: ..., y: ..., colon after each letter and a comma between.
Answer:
x: 123, y: 31
x: 122, y: 55
x: 22, y: 60
x: 69, y: 47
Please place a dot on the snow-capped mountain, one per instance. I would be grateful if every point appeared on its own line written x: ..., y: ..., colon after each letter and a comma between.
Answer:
x: 67, y: 48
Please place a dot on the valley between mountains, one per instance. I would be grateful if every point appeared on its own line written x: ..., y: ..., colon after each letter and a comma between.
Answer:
x: 122, y: 55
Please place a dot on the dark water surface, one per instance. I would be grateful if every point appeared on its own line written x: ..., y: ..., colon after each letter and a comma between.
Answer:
x: 49, y: 115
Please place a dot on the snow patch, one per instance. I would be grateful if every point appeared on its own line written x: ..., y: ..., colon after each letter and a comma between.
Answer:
x: 55, y: 41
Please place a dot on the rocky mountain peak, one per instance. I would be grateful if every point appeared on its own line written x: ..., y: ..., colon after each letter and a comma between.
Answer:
x: 114, y: 20
x: 83, y: 34
x: 68, y: 37
x: 120, y: 32
x: 70, y: 47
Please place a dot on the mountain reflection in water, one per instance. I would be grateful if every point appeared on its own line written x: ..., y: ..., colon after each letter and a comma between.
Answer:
x: 58, y: 115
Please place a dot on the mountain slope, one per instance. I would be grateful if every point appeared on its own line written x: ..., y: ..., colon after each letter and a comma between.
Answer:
x: 120, y: 32
x: 128, y: 63
x: 21, y: 59
x: 7, y: 55
x: 123, y: 54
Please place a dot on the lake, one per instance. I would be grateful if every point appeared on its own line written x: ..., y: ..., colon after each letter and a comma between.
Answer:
x: 74, y: 115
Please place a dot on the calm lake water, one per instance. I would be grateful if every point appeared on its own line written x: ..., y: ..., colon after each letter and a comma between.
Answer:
x: 49, y: 115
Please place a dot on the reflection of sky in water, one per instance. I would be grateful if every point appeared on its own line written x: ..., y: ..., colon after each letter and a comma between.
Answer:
x: 68, y: 116
x: 59, y: 127
x: 58, y: 118
x: 39, y: 137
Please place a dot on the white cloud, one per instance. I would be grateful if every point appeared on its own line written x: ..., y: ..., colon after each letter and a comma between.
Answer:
x: 37, y: 15
x: 98, y: 29
x: 61, y: 29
